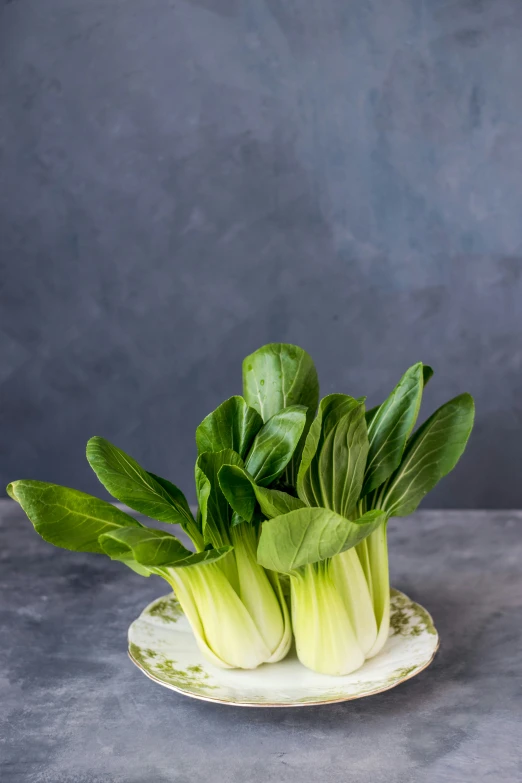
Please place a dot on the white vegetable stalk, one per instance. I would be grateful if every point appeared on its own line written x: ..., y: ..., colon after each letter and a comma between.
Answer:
x: 224, y: 630
x: 264, y: 601
x: 325, y: 639
x: 350, y: 581
x: 239, y: 623
x: 377, y: 550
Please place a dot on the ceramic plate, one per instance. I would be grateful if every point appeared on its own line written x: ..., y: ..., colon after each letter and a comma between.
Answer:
x: 161, y: 644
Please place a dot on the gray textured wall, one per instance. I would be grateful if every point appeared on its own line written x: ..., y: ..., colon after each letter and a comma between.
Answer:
x: 184, y: 181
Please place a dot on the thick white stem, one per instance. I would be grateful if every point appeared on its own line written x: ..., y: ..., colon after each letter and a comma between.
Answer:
x: 364, y: 559
x: 187, y: 602
x: 224, y: 630
x: 255, y: 589
x: 325, y: 640
x: 286, y: 640
x: 378, y: 558
x: 350, y: 581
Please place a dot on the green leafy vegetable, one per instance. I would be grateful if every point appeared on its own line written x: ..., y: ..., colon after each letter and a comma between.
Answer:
x: 390, y: 427
x: 427, y: 373
x: 294, y: 497
x: 332, y: 468
x: 216, y: 513
x: 278, y: 376
x: 431, y: 453
x: 275, y: 444
x: 331, y: 409
x: 238, y: 615
x: 66, y: 517
x: 129, y: 483
x: 309, y: 535
x: 233, y: 425
x: 155, y: 548
x: 241, y: 491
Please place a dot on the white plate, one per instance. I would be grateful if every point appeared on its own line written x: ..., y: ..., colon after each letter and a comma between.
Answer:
x: 161, y: 644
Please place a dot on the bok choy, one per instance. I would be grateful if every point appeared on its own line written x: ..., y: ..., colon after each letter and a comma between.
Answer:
x: 236, y: 609
x: 327, y: 529
x: 294, y: 497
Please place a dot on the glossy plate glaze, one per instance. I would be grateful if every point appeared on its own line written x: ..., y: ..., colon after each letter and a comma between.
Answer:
x: 161, y: 644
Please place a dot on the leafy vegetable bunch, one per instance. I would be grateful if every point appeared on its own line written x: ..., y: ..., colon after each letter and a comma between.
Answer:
x: 290, y: 489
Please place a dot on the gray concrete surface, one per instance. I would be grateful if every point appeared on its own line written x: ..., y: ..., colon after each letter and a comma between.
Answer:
x: 75, y: 710
x: 182, y: 181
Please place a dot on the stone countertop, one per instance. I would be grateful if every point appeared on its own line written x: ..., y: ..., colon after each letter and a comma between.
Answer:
x: 74, y: 709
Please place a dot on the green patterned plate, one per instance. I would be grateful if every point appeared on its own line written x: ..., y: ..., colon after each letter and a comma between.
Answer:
x: 161, y: 644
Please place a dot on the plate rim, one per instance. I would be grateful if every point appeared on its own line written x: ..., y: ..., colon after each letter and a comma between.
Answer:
x: 282, y: 705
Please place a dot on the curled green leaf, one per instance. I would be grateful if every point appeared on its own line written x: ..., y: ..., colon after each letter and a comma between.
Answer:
x: 275, y: 444
x: 309, y: 535
x: 242, y: 492
x: 155, y: 548
x: 216, y: 513
x: 233, y: 425
x: 277, y: 376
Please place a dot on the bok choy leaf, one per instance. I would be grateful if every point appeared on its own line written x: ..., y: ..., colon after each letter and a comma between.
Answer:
x: 242, y: 492
x: 334, y: 456
x: 278, y: 376
x: 140, y: 490
x: 233, y: 425
x: 68, y: 518
x: 390, y: 427
x: 309, y: 535
x: 432, y: 452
